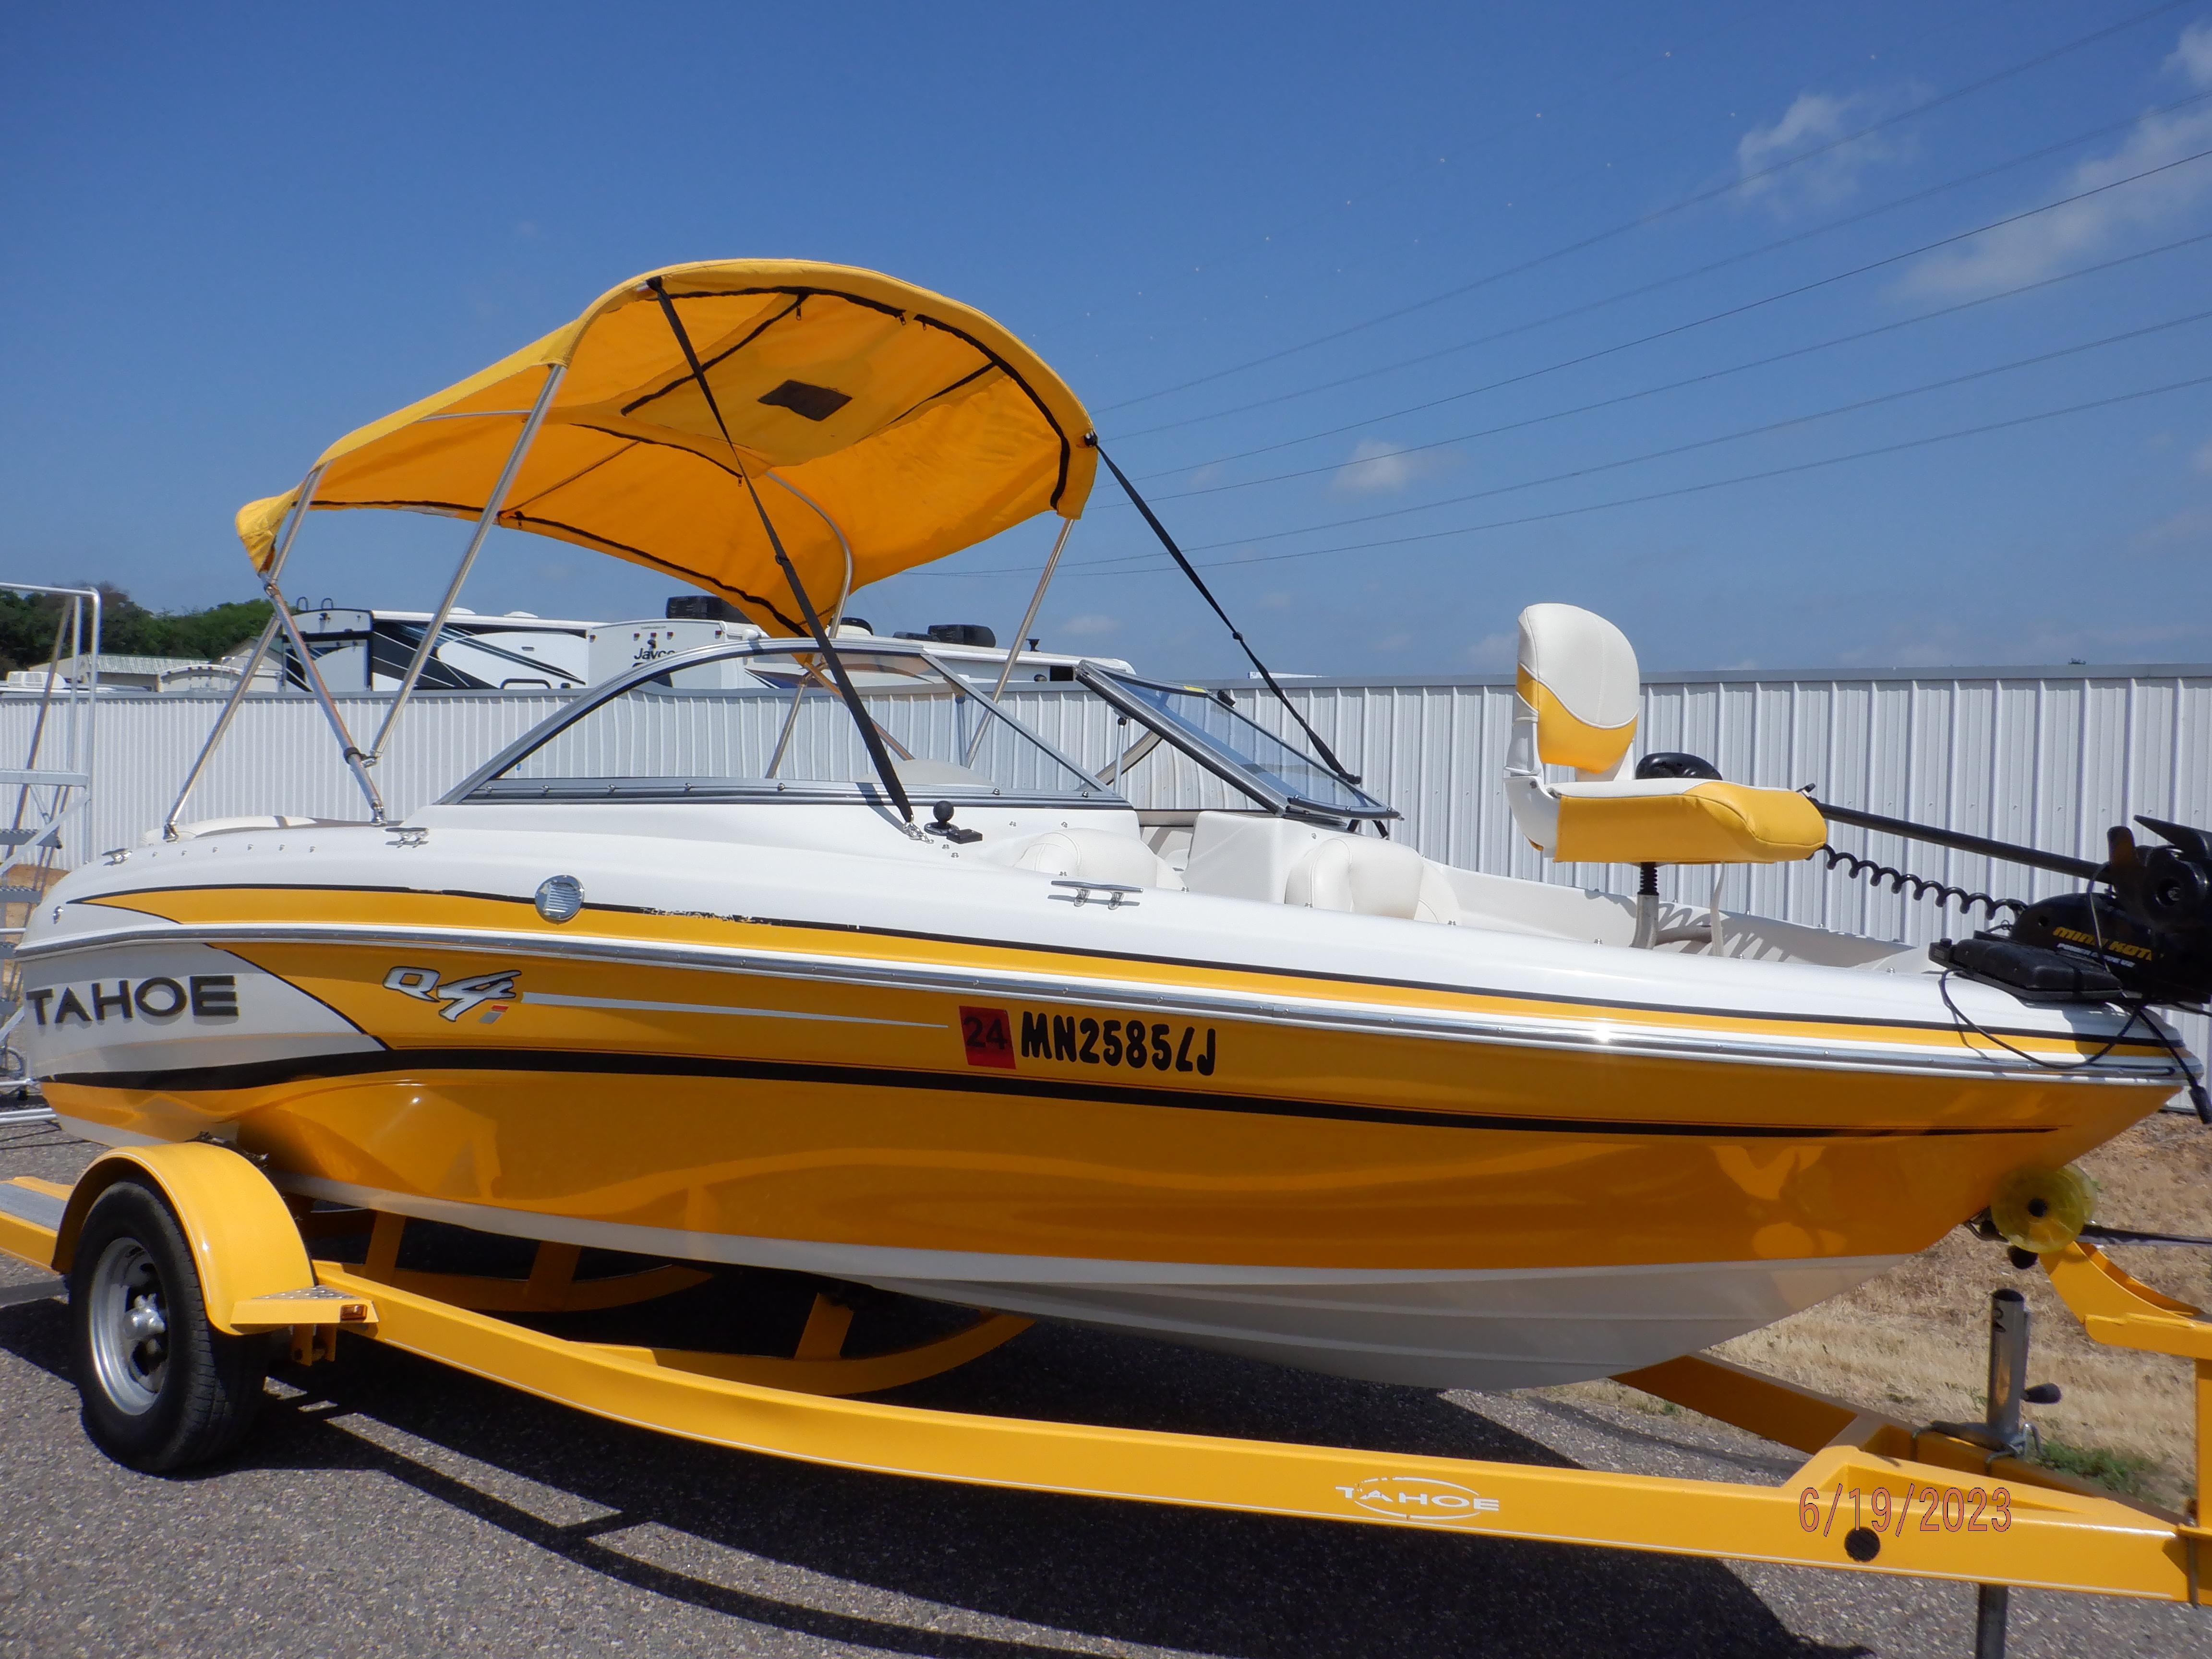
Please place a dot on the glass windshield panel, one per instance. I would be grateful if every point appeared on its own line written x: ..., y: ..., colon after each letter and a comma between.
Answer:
x: 774, y: 725
x: 1209, y: 722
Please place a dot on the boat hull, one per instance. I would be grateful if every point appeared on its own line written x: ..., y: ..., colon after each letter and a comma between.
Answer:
x: 1395, y: 1179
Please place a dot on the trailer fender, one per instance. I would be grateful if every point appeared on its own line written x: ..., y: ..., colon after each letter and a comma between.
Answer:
x: 243, y: 1240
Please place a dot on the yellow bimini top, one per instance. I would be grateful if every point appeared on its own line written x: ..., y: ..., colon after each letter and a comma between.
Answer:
x: 910, y: 423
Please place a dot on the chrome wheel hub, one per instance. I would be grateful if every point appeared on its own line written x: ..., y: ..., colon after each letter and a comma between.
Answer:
x: 130, y: 1326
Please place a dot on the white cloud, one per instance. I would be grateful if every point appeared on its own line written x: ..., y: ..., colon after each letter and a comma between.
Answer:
x: 2192, y: 57
x: 2201, y: 460
x: 2030, y: 248
x: 2189, y: 531
x: 1492, y: 651
x: 1814, y: 120
x: 2055, y: 639
x: 1091, y: 625
x: 1278, y: 600
x: 1376, y: 466
x: 1914, y: 645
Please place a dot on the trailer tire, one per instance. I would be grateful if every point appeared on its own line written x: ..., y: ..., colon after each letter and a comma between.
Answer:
x: 162, y: 1388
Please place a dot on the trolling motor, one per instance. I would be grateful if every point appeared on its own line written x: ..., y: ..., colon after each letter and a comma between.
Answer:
x: 2145, y: 936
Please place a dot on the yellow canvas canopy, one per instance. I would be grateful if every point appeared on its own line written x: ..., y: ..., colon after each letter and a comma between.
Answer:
x: 918, y: 425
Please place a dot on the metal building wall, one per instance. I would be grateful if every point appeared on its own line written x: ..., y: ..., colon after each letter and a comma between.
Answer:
x: 2046, y: 756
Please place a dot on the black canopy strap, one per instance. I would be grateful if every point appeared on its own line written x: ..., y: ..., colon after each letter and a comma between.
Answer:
x: 1207, y: 593
x: 869, y: 736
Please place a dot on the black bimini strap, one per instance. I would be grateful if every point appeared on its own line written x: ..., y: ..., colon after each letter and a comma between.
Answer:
x: 869, y: 736
x: 1207, y: 593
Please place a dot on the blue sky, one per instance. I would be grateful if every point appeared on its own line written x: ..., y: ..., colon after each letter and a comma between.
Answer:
x: 1393, y: 315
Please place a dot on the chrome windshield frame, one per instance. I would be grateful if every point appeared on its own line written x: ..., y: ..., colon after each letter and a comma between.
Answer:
x: 1283, y: 803
x: 466, y: 792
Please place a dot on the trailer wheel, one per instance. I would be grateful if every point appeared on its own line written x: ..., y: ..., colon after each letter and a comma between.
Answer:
x: 162, y: 1388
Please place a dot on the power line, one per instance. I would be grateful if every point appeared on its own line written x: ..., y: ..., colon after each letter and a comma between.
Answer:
x: 1476, y: 142
x: 1628, y: 294
x: 1724, y: 438
x: 1696, y: 379
x: 1101, y: 566
x: 1679, y: 206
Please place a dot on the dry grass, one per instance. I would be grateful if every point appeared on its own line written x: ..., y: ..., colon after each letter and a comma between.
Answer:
x: 1914, y: 1343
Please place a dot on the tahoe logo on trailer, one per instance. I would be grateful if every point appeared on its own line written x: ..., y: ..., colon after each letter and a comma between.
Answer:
x: 205, y: 996
x: 1418, y: 1498
x: 493, y: 993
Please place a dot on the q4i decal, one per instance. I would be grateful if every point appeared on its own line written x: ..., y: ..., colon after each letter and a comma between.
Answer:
x: 493, y: 993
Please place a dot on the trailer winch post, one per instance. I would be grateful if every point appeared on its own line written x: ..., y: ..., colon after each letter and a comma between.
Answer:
x: 2008, y: 1382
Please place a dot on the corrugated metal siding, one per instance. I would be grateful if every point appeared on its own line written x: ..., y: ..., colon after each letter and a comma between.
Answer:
x: 2049, y: 757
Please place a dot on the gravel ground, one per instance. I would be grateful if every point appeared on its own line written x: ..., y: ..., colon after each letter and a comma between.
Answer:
x: 385, y: 1505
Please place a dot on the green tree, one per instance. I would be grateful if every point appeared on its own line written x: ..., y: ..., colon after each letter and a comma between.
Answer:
x: 29, y: 622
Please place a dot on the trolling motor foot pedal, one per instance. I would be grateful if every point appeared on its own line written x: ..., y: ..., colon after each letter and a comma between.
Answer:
x: 2033, y: 973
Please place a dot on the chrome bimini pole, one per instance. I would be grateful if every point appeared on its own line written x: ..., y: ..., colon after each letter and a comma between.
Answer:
x: 485, y: 520
x: 1029, y: 621
x: 845, y: 594
x: 356, y: 763
x: 837, y: 621
x: 307, y: 486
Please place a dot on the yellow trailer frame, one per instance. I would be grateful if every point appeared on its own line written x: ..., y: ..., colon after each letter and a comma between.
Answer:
x: 1874, y: 1495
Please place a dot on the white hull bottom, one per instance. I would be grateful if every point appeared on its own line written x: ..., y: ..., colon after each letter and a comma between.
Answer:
x: 1485, y: 1328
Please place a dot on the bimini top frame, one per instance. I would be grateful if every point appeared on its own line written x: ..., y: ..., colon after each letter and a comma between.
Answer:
x: 901, y: 425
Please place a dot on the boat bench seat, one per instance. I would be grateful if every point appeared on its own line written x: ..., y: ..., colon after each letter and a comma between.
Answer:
x: 1099, y: 855
x: 1371, y: 878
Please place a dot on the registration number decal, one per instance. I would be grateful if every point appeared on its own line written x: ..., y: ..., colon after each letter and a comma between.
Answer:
x: 1124, y: 1040
x: 983, y: 1030
x: 1087, y: 1038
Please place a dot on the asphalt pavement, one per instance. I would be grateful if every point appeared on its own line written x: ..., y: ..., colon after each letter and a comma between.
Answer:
x: 385, y: 1505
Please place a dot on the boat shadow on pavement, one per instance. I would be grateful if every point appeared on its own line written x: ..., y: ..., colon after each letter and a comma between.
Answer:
x: 852, y: 1560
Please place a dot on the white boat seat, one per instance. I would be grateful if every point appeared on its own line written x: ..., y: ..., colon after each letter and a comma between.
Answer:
x: 1099, y: 855
x: 1579, y: 693
x: 1371, y: 878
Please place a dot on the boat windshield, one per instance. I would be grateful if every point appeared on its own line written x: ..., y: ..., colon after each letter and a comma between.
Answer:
x: 763, y: 720
x: 1211, y: 729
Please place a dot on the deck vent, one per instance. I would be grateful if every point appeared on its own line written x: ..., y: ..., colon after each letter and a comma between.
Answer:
x: 560, y: 898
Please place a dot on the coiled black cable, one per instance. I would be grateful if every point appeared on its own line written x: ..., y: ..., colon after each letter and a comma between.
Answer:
x: 1898, y: 880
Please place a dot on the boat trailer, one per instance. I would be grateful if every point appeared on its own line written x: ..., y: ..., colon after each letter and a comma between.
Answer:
x: 1955, y: 1501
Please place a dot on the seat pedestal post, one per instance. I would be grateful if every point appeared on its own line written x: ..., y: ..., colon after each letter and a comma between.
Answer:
x: 1647, y: 906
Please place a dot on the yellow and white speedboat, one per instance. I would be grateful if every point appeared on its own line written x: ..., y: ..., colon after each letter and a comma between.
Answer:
x: 810, y: 955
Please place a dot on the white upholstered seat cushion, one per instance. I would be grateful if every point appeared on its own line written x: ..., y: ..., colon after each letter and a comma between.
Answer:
x: 1097, y: 855
x: 1370, y: 879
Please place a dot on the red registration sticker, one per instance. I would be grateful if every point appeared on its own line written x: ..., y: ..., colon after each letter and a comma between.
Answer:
x: 989, y: 1041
